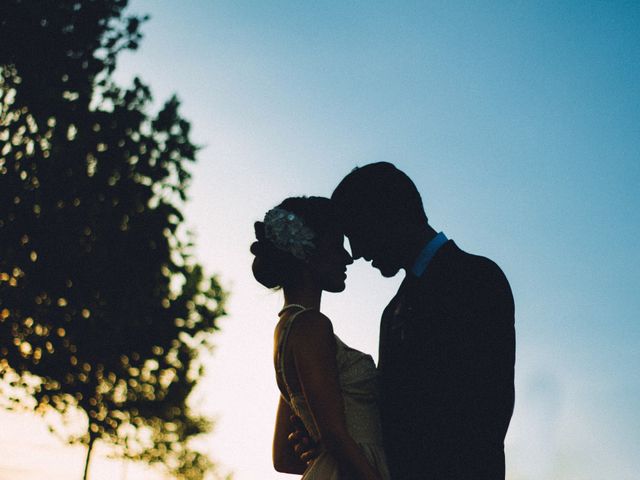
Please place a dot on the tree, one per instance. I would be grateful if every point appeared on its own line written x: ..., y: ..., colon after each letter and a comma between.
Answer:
x: 102, y: 306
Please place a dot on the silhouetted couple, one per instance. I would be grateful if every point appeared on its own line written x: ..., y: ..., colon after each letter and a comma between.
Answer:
x: 439, y: 404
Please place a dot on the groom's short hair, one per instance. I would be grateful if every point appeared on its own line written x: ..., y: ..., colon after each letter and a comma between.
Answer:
x: 380, y: 187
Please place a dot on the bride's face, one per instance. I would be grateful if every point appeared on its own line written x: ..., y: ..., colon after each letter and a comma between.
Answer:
x: 329, y: 265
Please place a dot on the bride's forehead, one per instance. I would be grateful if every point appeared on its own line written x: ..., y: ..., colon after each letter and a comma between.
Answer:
x: 332, y: 237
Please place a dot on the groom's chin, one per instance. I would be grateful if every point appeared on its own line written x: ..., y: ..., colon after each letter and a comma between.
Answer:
x: 386, y: 269
x: 388, y: 272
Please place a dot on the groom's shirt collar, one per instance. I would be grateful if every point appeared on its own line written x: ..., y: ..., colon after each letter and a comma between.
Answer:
x: 427, y: 254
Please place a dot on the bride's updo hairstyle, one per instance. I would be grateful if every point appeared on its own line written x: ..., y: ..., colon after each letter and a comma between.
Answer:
x: 278, y: 264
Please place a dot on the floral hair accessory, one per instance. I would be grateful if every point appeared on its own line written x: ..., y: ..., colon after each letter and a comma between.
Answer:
x: 288, y: 233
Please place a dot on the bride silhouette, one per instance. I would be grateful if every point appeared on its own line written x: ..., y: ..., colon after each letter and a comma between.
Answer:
x: 330, y: 387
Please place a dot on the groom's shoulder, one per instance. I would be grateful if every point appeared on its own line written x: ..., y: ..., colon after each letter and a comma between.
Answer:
x: 476, y: 282
x: 475, y: 268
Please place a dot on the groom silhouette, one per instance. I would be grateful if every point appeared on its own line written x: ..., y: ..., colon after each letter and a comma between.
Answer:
x: 447, y: 339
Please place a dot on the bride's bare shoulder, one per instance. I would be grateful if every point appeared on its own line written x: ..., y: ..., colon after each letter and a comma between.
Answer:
x: 311, y: 325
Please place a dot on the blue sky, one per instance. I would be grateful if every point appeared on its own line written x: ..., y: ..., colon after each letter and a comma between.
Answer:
x: 520, y: 124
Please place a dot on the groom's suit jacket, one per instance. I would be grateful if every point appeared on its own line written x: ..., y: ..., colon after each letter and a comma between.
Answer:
x: 447, y: 353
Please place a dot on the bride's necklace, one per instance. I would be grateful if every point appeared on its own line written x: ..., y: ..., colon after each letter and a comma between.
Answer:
x: 291, y: 305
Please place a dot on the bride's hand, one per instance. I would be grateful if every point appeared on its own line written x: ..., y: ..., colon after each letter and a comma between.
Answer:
x: 302, y: 443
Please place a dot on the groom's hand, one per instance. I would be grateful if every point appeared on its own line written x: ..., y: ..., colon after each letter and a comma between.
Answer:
x: 301, y: 442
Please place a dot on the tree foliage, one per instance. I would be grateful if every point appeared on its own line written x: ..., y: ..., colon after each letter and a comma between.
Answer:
x: 102, y: 305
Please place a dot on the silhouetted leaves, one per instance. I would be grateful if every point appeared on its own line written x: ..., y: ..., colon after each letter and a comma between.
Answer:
x: 102, y: 307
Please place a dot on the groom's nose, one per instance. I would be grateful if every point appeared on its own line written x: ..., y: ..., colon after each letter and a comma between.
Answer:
x: 355, y: 251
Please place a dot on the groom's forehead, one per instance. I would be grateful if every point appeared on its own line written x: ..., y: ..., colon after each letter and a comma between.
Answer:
x: 359, y: 212
x: 357, y: 223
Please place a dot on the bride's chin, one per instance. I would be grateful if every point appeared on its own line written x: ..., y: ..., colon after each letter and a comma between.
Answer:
x: 337, y: 288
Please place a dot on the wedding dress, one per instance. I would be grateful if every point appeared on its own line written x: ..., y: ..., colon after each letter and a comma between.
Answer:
x: 357, y: 377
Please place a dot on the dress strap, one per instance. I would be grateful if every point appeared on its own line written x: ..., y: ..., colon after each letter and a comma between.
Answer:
x: 281, y: 345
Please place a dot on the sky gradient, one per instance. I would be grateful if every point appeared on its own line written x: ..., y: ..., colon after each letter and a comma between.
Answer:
x: 520, y: 124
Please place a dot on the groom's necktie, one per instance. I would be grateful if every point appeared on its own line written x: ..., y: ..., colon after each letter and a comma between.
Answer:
x: 392, y: 328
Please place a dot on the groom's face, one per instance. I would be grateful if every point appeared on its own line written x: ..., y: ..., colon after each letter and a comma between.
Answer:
x: 369, y: 239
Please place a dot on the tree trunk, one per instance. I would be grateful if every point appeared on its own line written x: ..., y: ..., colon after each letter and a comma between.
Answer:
x: 86, y: 462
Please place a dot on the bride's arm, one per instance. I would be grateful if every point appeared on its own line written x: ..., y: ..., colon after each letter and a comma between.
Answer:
x: 314, y: 349
x: 285, y: 459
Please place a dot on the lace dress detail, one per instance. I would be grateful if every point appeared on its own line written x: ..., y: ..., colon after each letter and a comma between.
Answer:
x: 357, y: 375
